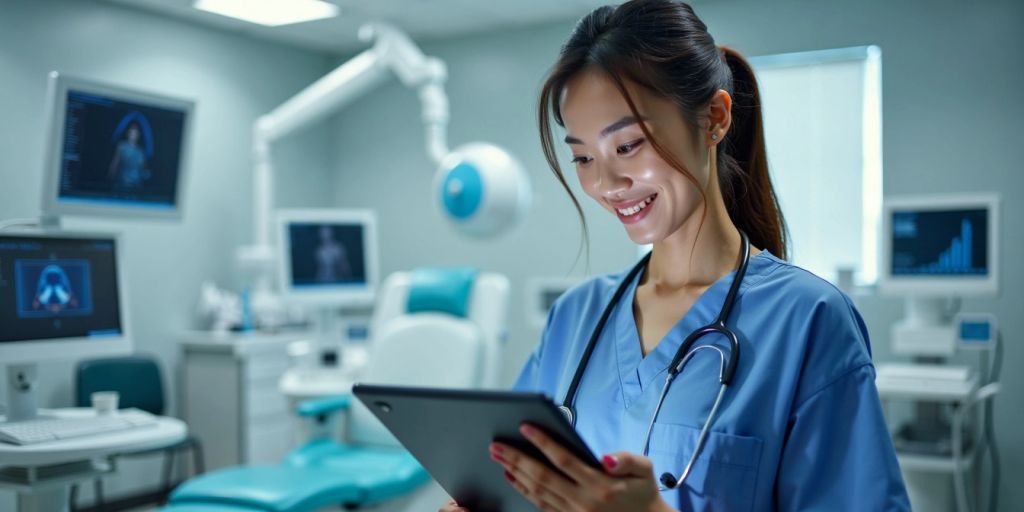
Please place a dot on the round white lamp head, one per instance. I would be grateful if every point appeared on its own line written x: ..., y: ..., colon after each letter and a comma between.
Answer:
x: 482, y: 190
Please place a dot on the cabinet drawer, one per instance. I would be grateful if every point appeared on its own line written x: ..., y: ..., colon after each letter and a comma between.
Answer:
x: 266, y: 367
x: 264, y: 398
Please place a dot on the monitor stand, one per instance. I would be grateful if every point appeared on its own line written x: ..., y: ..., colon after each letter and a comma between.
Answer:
x: 927, y: 334
x: 21, y: 392
x: 328, y: 346
x: 925, y: 329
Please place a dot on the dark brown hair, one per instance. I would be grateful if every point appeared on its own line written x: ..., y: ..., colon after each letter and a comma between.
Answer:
x: 663, y: 46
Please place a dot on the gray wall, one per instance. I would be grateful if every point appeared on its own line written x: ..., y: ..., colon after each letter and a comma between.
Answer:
x: 233, y: 80
x: 950, y: 76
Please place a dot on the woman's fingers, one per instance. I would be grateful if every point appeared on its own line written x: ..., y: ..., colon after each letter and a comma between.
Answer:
x: 627, y: 464
x: 451, y: 506
x: 539, y: 494
x: 562, y: 459
x: 536, y: 476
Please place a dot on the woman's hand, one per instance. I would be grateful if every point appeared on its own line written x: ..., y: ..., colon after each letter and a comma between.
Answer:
x: 627, y: 482
x: 451, y: 506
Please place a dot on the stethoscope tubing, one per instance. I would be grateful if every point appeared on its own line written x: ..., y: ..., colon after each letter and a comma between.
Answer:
x: 686, y: 351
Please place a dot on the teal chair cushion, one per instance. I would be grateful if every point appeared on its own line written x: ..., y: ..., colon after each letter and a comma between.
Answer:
x: 135, y: 378
x: 379, y: 473
x: 445, y: 290
x: 312, y: 477
x: 271, y: 488
x: 206, y: 507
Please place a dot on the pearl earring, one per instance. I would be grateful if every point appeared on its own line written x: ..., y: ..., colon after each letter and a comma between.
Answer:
x: 714, y: 136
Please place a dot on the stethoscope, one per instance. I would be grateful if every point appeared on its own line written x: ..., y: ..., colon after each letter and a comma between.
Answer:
x: 683, y: 355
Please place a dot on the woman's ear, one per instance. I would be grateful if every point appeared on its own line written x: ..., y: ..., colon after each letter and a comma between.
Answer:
x: 719, y: 117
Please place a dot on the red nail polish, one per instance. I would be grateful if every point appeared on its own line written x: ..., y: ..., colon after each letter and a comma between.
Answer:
x: 497, y: 448
x: 496, y: 457
x: 609, y: 462
x: 509, y: 477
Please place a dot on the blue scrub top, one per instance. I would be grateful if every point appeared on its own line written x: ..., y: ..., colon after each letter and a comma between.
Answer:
x: 800, y: 427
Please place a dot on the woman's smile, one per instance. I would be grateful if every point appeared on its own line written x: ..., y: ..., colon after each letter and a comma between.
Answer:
x: 637, y: 212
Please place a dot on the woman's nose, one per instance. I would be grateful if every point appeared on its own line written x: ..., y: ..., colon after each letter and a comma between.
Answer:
x: 612, y: 182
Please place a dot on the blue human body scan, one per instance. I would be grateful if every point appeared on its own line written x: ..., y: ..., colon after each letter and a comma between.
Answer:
x: 53, y: 288
x: 58, y: 287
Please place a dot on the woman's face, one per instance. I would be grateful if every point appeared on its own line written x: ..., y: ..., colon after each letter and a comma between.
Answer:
x: 618, y: 166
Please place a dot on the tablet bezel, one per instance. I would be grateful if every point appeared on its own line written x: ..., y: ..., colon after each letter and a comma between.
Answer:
x: 470, y: 417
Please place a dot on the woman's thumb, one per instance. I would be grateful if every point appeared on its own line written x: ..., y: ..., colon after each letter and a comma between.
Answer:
x: 626, y: 464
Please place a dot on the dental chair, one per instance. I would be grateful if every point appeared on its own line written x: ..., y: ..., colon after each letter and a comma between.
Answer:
x: 430, y: 327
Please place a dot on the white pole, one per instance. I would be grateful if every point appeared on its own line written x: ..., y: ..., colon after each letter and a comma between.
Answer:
x: 338, y: 88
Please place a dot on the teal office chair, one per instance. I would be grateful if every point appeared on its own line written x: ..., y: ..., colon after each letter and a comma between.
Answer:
x: 431, y: 327
x: 138, y: 381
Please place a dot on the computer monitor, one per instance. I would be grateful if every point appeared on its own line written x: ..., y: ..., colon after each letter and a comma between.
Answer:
x: 541, y: 294
x: 113, y: 150
x: 328, y: 257
x: 940, y: 245
x: 61, y: 297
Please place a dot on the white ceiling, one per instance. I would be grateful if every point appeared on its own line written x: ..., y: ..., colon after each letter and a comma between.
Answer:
x: 422, y: 19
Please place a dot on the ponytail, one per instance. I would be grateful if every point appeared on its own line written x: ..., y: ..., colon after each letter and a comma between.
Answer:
x: 743, y: 176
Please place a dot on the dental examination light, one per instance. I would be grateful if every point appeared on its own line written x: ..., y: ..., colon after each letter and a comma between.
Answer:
x: 480, y: 188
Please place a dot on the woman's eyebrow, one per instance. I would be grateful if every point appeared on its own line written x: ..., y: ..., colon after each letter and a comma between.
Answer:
x: 614, y: 127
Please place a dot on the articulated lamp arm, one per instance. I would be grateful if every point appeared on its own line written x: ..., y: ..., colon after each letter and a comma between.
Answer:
x: 392, y: 51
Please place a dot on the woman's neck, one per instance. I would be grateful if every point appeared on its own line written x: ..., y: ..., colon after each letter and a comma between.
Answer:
x: 677, y: 263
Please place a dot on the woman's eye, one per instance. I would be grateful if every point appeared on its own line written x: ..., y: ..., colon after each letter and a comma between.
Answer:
x: 580, y: 159
x: 629, y: 146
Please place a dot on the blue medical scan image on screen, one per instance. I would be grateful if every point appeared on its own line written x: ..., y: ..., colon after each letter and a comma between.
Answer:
x: 48, y: 288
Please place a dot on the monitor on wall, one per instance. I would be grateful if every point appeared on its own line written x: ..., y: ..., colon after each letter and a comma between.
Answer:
x: 114, y: 150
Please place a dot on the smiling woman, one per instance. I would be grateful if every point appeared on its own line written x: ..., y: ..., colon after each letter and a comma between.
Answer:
x: 698, y: 103
x: 744, y: 381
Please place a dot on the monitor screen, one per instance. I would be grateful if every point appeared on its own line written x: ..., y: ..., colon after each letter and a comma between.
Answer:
x: 940, y: 243
x: 53, y: 288
x: 327, y: 254
x: 119, y: 152
x: 549, y: 297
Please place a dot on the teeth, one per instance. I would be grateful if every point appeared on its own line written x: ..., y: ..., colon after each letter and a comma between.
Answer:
x: 636, y: 208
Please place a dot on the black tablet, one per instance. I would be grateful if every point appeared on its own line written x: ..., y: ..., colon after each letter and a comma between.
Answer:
x: 449, y: 430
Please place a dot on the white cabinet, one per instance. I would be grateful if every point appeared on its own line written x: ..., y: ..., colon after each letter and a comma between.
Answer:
x: 232, y: 399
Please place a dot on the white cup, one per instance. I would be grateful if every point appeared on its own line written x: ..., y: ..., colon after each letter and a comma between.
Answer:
x: 105, y: 402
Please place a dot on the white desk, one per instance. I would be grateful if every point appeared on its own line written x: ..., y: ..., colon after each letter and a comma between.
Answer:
x: 300, y: 384
x: 42, y: 473
x: 305, y: 384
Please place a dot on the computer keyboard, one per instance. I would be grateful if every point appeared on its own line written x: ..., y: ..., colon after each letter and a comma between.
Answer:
x: 53, y: 429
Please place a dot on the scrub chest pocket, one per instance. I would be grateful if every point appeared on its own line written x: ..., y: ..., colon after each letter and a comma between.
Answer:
x: 724, y: 475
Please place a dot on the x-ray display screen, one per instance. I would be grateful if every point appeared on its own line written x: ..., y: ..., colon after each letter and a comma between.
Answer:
x: 119, y: 152
x: 940, y: 243
x: 57, y: 288
x: 327, y: 254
